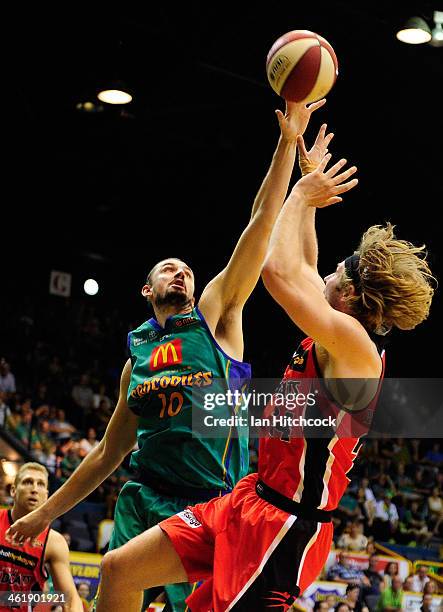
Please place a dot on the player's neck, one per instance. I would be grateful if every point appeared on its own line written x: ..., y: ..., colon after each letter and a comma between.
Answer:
x: 17, y: 512
x: 162, y: 314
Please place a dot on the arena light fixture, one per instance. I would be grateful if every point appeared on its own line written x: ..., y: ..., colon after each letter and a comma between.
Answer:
x: 437, y: 32
x: 415, y: 32
x: 90, y: 286
x: 116, y: 93
x: 114, y: 96
x: 10, y: 469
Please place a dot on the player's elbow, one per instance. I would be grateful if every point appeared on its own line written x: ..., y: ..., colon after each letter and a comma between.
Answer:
x: 273, y: 275
x: 110, y: 566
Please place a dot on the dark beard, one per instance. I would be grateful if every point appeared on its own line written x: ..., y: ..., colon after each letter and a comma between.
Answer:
x: 172, y: 298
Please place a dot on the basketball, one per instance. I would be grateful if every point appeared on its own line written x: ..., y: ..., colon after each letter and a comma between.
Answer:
x: 301, y: 66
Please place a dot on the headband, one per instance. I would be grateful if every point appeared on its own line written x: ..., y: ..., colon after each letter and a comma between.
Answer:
x: 352, y: 265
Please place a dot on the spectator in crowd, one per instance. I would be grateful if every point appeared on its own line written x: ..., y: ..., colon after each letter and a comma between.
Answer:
x: 403, y: 483
x: 84, y: 591
x: 420, y: 578
x: 86, y: 444
x: 413, y: 527
x: 341, y: 607
x: 41, y: 396
x: 353, y: 599
x: 101, y: 396
x: 430, y: 588
x: 331, y: 600
x: 422, y: 481
x: 400, y: 452
x: 370, y: 547
x: 354, y: 540
x: 343, y: 571
x: 51, y: 460
x: 83, y: 395
x: 426, y: 603
x: 434, y: 456
x: 320, y: 606
x: 303, y: 603
x: 384, y: 485
x: 391, y: 570
x: 366, y: 501
x: 70, y: 462
x: 374, y: 577
x: 60, y: 427
x: 5, y: 411
x: 435, y: 509
x: 43, y: 444
x: 408, y: 584
x: 24, y: 431
x: 7, y: 378
x: 386, y: 517
x: 391, y: 598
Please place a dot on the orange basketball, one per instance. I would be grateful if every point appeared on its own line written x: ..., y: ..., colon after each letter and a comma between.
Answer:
x: 301, y: 66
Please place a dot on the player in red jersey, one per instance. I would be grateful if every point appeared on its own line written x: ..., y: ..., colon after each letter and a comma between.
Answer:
x: 22, y: 567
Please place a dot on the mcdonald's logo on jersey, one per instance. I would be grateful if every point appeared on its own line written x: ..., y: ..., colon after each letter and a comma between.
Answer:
x: 166, y: 354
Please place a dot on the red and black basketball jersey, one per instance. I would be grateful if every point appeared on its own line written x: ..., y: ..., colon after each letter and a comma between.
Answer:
x: 21, y: 567
x: 314, y: 470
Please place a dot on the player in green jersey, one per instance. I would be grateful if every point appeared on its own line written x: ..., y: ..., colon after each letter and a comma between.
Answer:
x: 181, y: 346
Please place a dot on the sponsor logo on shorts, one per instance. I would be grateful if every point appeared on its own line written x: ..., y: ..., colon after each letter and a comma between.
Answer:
x: 189, y: 518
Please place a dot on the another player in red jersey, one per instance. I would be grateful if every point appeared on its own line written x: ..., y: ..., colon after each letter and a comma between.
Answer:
x: 22, y: 567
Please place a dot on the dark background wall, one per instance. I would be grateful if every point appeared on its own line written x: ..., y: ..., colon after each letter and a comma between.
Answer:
x: 108, y: 193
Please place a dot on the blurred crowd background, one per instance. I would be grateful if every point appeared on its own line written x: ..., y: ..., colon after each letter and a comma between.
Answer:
x: 59, y: 381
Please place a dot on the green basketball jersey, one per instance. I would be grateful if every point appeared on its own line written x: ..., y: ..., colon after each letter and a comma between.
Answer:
x: 167, y: 365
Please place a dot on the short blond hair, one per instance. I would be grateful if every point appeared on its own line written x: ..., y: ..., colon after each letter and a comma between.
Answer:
x: 396, y: 286
x: 32, y: 465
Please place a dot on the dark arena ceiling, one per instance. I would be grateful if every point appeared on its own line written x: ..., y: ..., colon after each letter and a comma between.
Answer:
x: 175, y: 172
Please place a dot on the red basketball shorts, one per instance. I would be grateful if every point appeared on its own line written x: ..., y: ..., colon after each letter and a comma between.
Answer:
x: 249, y: 554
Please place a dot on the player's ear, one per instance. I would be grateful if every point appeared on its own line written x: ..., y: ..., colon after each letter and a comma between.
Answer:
x: 12, y: 491
x: 193, y: 302
x: 146, y: 291
x: 349, y: 291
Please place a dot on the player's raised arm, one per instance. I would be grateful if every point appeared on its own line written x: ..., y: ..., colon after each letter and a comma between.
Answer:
x: 287, y: 276
x: 119, y: 439
x: 232, y: 287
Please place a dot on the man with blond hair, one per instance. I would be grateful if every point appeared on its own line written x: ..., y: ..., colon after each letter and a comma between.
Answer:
x: 22, y: 568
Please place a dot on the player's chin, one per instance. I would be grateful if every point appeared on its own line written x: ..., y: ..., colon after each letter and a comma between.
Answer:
x: 177, y: 296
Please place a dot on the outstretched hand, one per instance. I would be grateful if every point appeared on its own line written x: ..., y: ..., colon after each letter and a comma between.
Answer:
x: 296, y: 118
x: 310, y: 160
x: 322, y: 188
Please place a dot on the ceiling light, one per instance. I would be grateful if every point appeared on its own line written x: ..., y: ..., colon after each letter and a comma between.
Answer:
x: 114, y: 96
x: 415, y: 32
x: 437, y: 32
